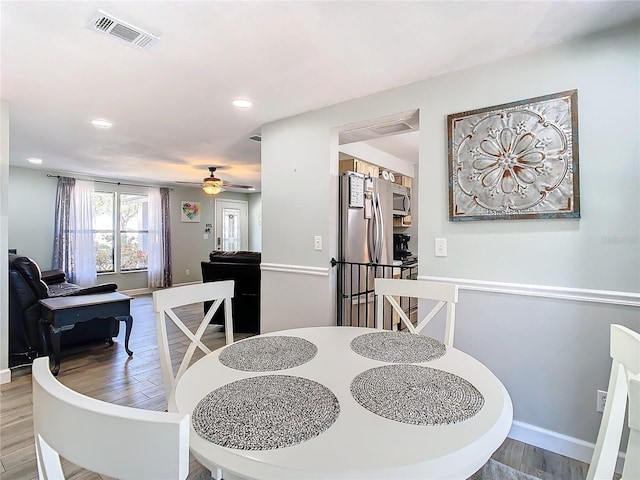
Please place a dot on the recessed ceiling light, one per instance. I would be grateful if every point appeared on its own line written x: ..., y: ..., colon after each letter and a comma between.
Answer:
x: 34, y: 160
x: 101, y: 123
x: 242, y: 103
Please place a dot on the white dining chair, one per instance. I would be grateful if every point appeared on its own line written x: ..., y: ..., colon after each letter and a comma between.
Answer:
x: 164, y: 303
x: 632, y: 460
x: 112, y: 440
x: 623, y: 385
x: 445, y: 294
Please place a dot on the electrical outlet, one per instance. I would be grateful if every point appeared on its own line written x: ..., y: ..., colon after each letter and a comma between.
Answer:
x: 187, y: 272
x: 601, y: 398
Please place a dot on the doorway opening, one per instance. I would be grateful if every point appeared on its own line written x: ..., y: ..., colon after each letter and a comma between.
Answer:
x: 377, y: 212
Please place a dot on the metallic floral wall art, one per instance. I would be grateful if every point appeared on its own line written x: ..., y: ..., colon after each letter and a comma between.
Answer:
x: 517, y: 160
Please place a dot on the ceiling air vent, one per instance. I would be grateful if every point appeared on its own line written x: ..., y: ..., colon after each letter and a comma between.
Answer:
x: 122, y: 31
x: 391, y: 128
x: 389, y: 125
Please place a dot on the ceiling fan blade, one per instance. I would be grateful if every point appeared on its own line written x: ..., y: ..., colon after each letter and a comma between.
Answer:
x: 213, y: 179
x: 187, y: 183
x: 235, y: 185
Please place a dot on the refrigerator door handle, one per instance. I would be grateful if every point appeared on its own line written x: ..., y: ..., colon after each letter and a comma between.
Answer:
x: 372, y: 243
x: 378, y: 228
x: 371, y: 239
x: 382, y: 230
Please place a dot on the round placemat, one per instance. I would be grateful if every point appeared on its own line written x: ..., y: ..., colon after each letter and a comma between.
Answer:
x: 267, y: 354
x: 416, y: 395
x: 398, y: 347
x: 266, y: 412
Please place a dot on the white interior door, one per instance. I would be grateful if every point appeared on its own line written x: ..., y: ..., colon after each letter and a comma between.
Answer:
x: 231, y: 225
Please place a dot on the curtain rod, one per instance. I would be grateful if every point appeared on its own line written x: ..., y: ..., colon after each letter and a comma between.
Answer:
x: 110, y: 183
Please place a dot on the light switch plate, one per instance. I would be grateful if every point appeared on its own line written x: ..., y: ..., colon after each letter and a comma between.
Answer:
x: 440, y: 247
x: 317, y: 242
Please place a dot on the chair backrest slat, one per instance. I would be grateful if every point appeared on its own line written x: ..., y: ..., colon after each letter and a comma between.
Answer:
x: 189, y: 294
x: 164, y: 303
x: 443, y: 293
x: 108, y: 439
x: 625, y: 349
x: 446, y: 292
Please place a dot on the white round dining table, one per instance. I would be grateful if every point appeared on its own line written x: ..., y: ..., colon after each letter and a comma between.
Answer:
x: 359, y: 444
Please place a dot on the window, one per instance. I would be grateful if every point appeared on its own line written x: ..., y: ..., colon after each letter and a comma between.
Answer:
x: 103, y: 230
x: 120, y: 231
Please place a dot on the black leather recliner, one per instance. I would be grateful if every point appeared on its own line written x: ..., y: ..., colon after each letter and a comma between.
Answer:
x: 244, y: 269
x: 27, y: 285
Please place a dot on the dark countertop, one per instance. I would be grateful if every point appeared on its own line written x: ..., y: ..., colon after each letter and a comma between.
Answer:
x: 411, y: 261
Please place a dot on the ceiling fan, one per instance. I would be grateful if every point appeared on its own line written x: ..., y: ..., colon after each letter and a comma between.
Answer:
x: 212, y: 185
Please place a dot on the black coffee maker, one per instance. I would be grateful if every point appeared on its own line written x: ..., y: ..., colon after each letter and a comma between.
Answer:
x: 401, y: 246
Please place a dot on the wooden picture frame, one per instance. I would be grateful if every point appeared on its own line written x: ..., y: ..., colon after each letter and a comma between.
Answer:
x: 517, y: 160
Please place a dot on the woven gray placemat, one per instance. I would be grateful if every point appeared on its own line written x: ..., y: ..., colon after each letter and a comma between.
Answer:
x: 398, y: 347
x: 416, y: 395
x: 267, y: 354
x: 266, y: 412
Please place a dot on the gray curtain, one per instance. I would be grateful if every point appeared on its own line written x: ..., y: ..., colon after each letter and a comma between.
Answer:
x: 166, y: 236
x: 62, y: 254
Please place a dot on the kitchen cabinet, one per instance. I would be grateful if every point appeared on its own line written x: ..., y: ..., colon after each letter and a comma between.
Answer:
x: 359, y: 166
x: 402, y: 221
x: 403, y: 180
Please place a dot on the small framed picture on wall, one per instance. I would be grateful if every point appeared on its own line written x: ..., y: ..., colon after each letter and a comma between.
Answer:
x: 190, y: 212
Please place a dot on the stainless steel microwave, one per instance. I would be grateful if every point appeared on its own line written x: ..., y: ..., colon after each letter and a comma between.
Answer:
x: 401, y: 200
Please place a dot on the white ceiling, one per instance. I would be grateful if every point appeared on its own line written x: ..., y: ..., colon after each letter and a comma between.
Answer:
x: 171, y: 106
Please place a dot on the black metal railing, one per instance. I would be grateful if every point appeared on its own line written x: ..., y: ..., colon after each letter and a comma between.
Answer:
x: 356, y: 301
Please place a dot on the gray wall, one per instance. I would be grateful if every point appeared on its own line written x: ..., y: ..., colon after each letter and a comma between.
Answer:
x: 32, y: 199
x: 561, y: 252
x: 32, y: 211
x: 550, y: 351
x: 4, y: 241
x: 255, y: 222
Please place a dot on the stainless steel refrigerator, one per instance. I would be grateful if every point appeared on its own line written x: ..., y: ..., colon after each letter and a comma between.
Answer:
x: 365, y: 247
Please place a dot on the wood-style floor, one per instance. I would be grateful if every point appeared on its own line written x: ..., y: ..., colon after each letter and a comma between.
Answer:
x: 107, y: 373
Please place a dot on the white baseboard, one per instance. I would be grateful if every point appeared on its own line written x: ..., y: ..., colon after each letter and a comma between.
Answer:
x: 557, y: 442
x: 5, y: 376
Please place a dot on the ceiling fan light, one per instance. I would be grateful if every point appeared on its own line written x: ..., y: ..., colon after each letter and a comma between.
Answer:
x: 212, y: 186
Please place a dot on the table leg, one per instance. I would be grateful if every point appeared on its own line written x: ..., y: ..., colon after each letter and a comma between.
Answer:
x: 54, y: 335
x: 128, y: 320
x: 42, y: 327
